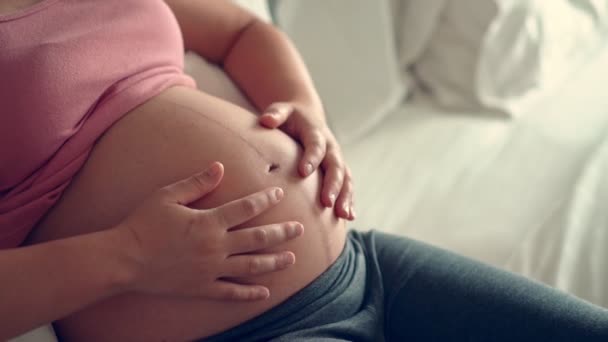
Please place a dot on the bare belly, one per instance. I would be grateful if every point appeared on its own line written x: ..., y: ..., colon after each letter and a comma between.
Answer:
x: 171, y: 137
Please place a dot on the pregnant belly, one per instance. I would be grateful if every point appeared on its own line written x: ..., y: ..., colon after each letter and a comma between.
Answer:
x: 170, y: 137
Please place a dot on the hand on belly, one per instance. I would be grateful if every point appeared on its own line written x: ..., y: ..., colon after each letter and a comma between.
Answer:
x: 168, y: 138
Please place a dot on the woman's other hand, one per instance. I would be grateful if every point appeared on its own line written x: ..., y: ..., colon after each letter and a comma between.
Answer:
x: 182, y: 251
x: 320, y: 149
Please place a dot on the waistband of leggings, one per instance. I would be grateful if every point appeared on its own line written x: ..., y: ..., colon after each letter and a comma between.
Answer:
x: 324, y: 289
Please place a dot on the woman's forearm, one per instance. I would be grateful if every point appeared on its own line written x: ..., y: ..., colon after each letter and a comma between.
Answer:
x: 268, y: 68
x: 46, y: 282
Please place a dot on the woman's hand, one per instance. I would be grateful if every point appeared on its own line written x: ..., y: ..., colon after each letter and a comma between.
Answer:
x: 182, y: 251
x: 305, y: 125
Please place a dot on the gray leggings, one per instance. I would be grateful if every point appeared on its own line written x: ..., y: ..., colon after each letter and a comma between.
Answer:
x: 388, y: 288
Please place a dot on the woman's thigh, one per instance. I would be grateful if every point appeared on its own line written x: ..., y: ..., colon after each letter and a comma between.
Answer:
x: 433, y: 294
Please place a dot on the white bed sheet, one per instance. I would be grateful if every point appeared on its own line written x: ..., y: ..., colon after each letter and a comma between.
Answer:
x: 505, y: 192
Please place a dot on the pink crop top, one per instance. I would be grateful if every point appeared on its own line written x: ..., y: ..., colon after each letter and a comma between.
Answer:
x: 69, y: 69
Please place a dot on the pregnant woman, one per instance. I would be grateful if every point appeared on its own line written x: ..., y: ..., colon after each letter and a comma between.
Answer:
x: 97, y: 114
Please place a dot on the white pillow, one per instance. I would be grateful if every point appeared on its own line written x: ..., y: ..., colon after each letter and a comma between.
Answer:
x: 534, y: 46
x: 414, y: 22
x: 448, y: 66
x: 509, y: 54
x: 348, y: 46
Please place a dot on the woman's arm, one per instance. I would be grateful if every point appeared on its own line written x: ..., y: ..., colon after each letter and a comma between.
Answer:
x: 258, y: 57
x: 269, y: 70
x: 44, y: 282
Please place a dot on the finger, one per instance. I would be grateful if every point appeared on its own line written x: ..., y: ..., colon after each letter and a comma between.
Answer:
x: 254, y: 239
x: 334, y: 177
x: 276, y: 114
x: 243, y: 209
x: 192, y: 188
x: 247, y: 265
x: 225, y: 290
x: 315, y: 146
x: 344, y: 201
x: 353, y: 215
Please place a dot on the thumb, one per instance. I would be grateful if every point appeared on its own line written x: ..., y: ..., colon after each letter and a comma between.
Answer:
x: 192, y: 188
x: 276, y: 114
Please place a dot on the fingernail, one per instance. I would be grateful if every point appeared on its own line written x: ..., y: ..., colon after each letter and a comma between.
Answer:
x: 213, y: 170
x: 273, y: 112
x: 289, y: 258
x: 278, y: 194
x: 346, y: 209
x: 352, y: 213
x: 263, y: 293
x: 297, y: 230
x: 332, y: 199
x: 308, y: 168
